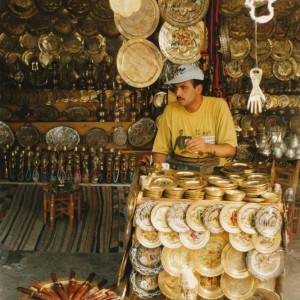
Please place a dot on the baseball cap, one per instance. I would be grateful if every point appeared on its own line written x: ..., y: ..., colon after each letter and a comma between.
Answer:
x: 186, y: 72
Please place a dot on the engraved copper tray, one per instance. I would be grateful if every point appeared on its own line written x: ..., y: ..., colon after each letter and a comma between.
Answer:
x: 45, y: 113
x: 27, y: 136
x: 96, y: 138
x: 134, y: 57
x: 62, y: 136
x: 77, y: 113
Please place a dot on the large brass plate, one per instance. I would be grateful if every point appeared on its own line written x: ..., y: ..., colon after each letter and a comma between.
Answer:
x: 183, y: 13
x: 182, y: 45
x: 27, y: 136
x: 96, y: 138
x: 228, y: 217
x: 176, y: 217
x: 62, y: 136
x: 142, y: 23
x: 6, y: 135
x: 169, y: 285
x: 210, y: 288
x: 139, y: 62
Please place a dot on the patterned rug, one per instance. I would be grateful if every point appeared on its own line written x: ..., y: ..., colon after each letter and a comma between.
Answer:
x: 100, y: 229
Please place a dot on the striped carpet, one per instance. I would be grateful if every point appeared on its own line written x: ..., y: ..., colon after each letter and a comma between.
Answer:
x: 100, y: 229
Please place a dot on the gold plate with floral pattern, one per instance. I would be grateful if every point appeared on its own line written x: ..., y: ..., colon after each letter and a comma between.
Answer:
x: 266, y: 244
x: 245, y: 217
x: 170, y: 239
x: 211, y: 218
x: 241, y: 241
x: 195, y: 215
x: 143, y: 213
x: 182, y: 45
x: 282, y: 49
x: 228, y: 217
x: 179, y: 13
x: 158, y: 216
x: 263, y: 293
x: 263, y: 48
x: 176, y: 217
x: 209, y: 287
x: 207, y: 260
x: 193, y: 239
x: 232, y: 7
x: 148, y: 239
x: 285, y: 70
x: 169, y: 285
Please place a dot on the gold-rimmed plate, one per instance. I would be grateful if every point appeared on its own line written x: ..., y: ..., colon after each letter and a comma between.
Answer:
x: 241, y: 241
x: 233, y: 262
x: 176, y: 217
x: 163, y: 181
x: 245, y: 217
x: 211, y: 218
x: 209, y: 287
x: 170, y: 239
x: 143, y: 213
x: 195, y: 215
x: 263, y: 293
x: 135, y: 56
x: 194, y: 240
x: 238, y: 288
x: 207, y: 260
x: 266, y: 244
x: 228, y: 217
x: 175, y: 261
x: 183, y: 13
x: 169, y: 285
x: 158, y: 216
x: 148, y: 239
x: 186, y: 174
x: 96, y: 138
x: 192, y: 184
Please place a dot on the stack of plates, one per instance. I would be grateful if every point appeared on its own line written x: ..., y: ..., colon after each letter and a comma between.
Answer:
x: 234, y: 195
x: 235, y: 178
x: 225, y: 184
x: 270, y: 197
x: 153, y: 191
x: 197, y: 194
x: 254, y: 188
x: 174, y: 192
x: 213, y: 193
x: 192, y: 184
x: 186, y: 174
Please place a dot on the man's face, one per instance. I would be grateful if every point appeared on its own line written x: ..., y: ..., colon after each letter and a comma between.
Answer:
x: 186, y: 94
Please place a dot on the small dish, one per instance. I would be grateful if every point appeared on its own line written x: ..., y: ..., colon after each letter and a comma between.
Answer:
x: 214, y: 191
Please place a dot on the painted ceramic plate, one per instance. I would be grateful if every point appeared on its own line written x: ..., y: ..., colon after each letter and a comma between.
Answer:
x: 210, y: 287
x: 176, y: 217
x: 195, y: 215
x: 228, y: 217
x: 233, y: 262
x: 262, y: 293
x: 211, y: 218
x: 170, y: 239
x: 158, y: 216
x: 268, y: 221
x: 241, y: 241
x: 266, y: 244
x: 143, y: 213
x: 246, y: 216
x: 193, y: 239
x: 265, y: 266
x: 145, y: 260
x: 207, y: 260
x: 148, y: 239
x: 174, y: 261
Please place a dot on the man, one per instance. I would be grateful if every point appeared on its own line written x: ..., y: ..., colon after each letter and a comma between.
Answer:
x: 206, y: 121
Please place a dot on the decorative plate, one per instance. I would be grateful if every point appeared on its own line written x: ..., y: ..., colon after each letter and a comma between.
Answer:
x: 285, y: 70
x: 5, y: 114
x: 143, y: 213
x: 240, y: 26
x: 77, y: 113
x: 96, y: 138
x: 281, y: 50
x: 45, y: 113
x: 169, y: 285
x: 158, y: 216
x: 27, y: 136
x: 182, y: 45
x: 148, y: 239
x: 228, y: 217
x: 22, y: 9
x: 233, y: 262
x: 144, y: 286
x: 238, y: 288
x: 232, y: 7
x: 267, y: 68
x: 145, y: 260
x: 170, y: 239
x: 73, y: 43
x: 262, y: 293
x: 186, y: 174
x: 176, y: 217
x: 6, y: 135
x: 241, y: 241
x: 120, y: 135
x: 266, y: 244
x: 95, y: 44
x: 140, y: 24
x: 211, y: 218
x: 263, y: 48
x: 239, y: 49
x: 163, y: 181
x: 265, y: 266
x: 62, y: 136
x: 141, y: 132
x: 268, y: 221
x: 134, y: 57
x: 193, y: 239
x: 183, y: 14
x: 174, y: 261
x: 50, y: 43
x: 49, y: 6
x: 210, y: 287
x: 246, y: 217
x: 207, y: 260
x: 195, y: 215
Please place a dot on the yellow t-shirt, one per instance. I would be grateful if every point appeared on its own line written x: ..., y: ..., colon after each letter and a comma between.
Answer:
x: 212, y: 121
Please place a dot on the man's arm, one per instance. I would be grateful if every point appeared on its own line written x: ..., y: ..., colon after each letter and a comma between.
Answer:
x: 159, y: 157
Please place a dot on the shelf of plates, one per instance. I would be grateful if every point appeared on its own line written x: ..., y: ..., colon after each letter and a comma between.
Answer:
x: 235, y: 248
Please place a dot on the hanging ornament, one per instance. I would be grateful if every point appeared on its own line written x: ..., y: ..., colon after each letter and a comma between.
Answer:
x: 253, y: 4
